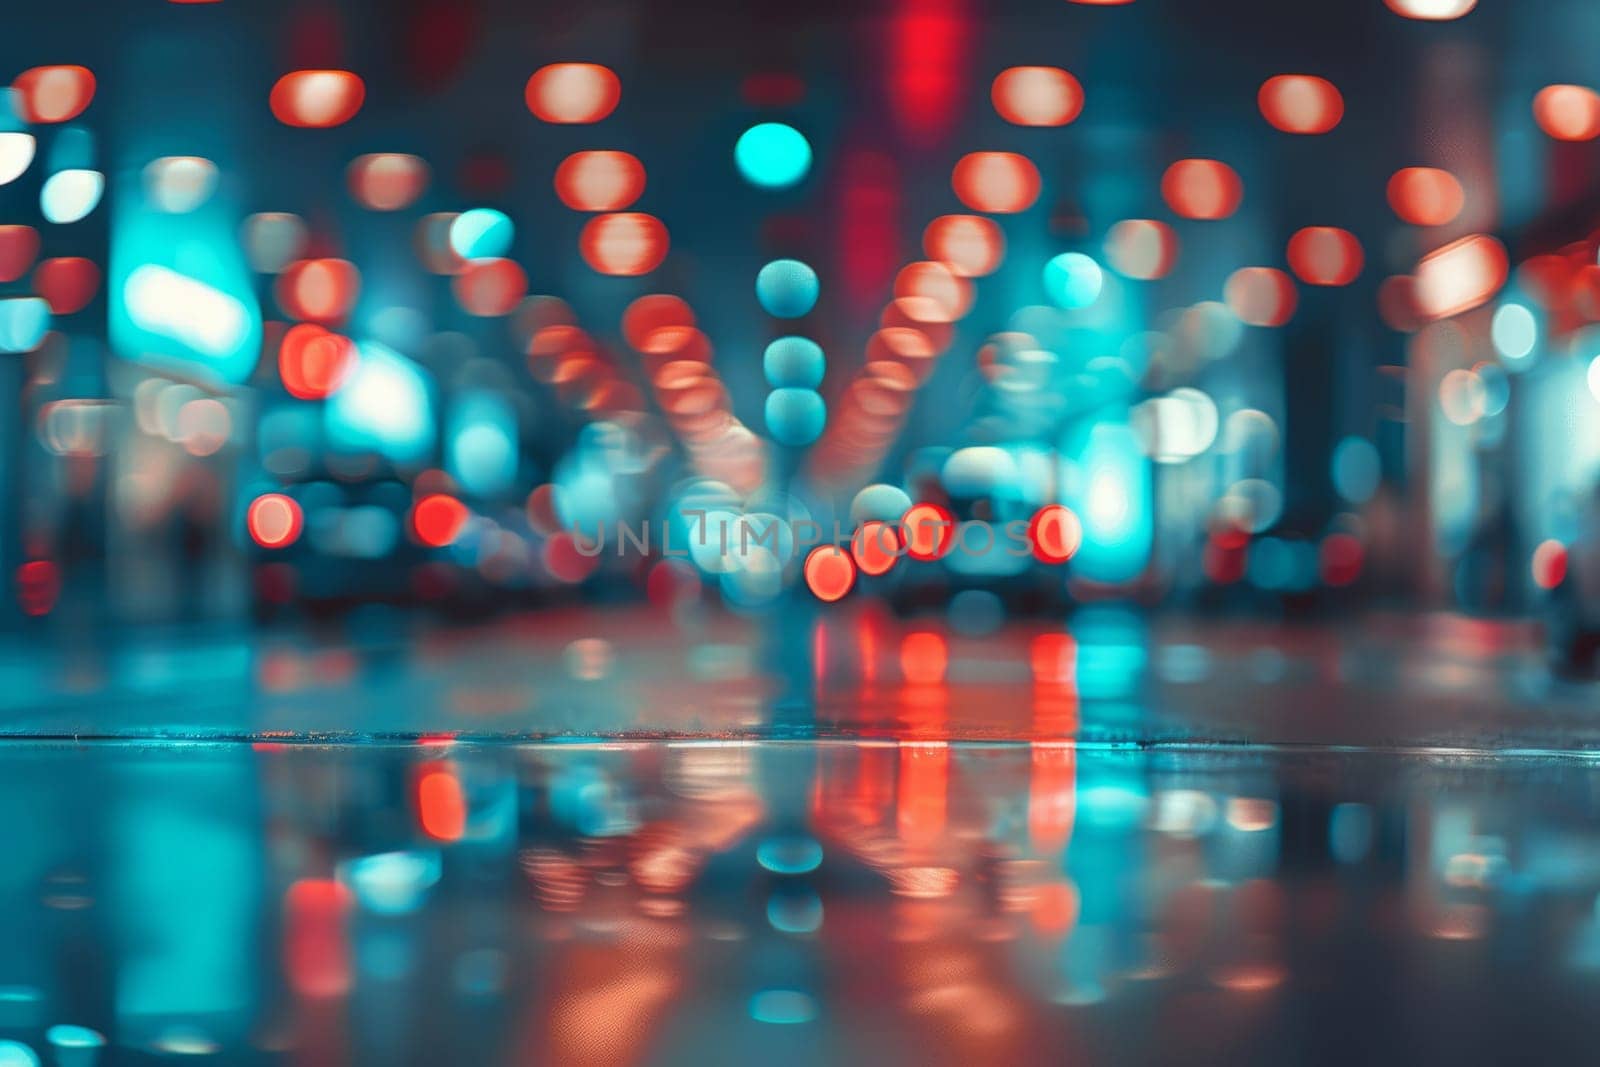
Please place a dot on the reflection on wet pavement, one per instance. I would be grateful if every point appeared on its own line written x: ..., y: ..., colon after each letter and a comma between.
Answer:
x: 819, y: 902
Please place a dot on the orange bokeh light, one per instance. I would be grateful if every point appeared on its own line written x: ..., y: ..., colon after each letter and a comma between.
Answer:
x: 1425, y: 196
x: 1568, y: 112
x: 1260, y: 296
x: 1325, y: 255
x: 317, y: 99
x: 1001, y: 183
x: 1037, y: 96
x: 1202, y: 189
x: 573, y: 93
x: 970, y: 245
x: 829, y: 572
x: 599, y: 181
x: 626, y: 244
x: 274, y: 520
x: 54, y: 93
x: 932, y: 280
x: 1142, y: 248
x: 1300, y: 103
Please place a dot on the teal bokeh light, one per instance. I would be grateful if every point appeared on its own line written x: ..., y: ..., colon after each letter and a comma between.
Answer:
x: 773, y: 156
x: 1073, y: 280
x: 481, y: 233
x: 787, y: 288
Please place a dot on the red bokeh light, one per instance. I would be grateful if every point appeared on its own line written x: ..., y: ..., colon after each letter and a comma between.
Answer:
x: 490, y: 287
x: 54, y: 93
x: 67, y: 284
x: 317, y: 99
x: 318, y: 290
x: 599, y: 181
x: 1300, y: 103
x: 970, y: 245
x: 387, y: 181
x: 441, y: 805
x: 1460, y: 276
x: 1202, y: 189
x: 573, y: 93
x: 829, y: 572
x: 437, y: 519
x: 18, y: 246
x: 1425, y: 196
x: 316, y: 949
x: 1549, y: 564
x: 1142, y: 248
x: 1260, y: 296
x: 313, y: 363
x: 651, y: 313
x: 38, y: 587
x: 929, y: 531
x: 1325, y: 255
x: 626, y: 244
x: 1054, y: 534
x: 876, y: 547
x: 1037, y: 96
x: 924, y: 657
x: 274, y: 520
x: 1000, y: 183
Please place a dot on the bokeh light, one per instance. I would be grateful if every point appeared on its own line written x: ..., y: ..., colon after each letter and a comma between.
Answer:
x: 437, y: 519
x: 929, y: 531
x: 1073, y: 280
x: 274, y: 520
x: 317, y: 99
x: 1460, y: 276
x: 67, y: 283
x: 481, y: 233
x: 1431, y: 10
x: 1202, y: 189
x: 16, y: 153
x: 772, y: 155
x: 599, y: 181
x: 829, y: 572
x: 54, y: 93
x: 387, y: 181
x: 787, y: 288
x: 1325, y: 255
x: 626, y: 244
x: 1037, y: 96
x: 489, y: 288
x: 970, y: 245
x: 19, y: 245
x: 1568, y: 112
x: 1000, y: 183
x: 1261, y: 296
x: 795, y: 416
x: 319, y: 290
x: 794, y: 362
x: 1054, y: 534
x: 313, y: 362
x: 68, y: 196
x: 1142, y: 248
x: 179, y: 184
x: 1425, y: 196
x: 1300, y: 103
x: 573, y: 93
